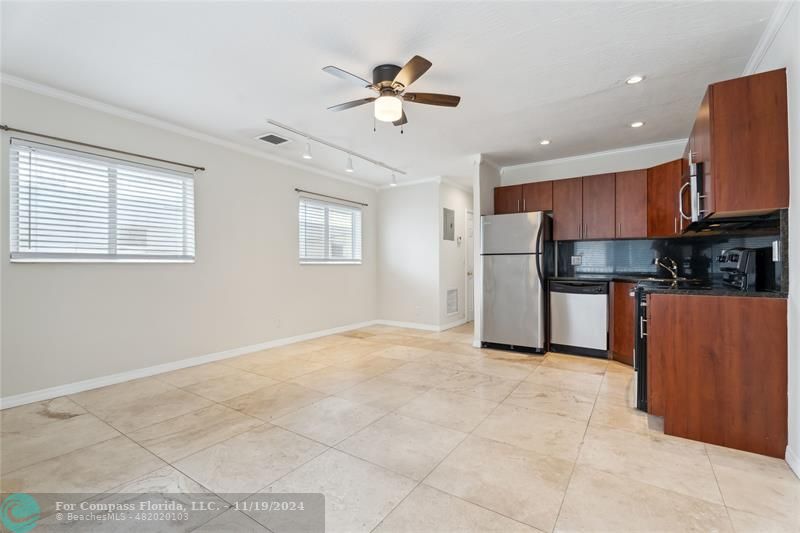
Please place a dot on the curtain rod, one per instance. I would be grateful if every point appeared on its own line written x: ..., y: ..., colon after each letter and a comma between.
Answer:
x: 332, y: 197
x: 7, y: 128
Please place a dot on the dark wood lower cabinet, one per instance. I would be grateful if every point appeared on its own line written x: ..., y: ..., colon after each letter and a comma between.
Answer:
x: 622, y: 322
x: 719, y: 369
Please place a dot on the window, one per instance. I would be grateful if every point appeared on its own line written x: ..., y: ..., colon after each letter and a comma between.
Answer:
x: 68, y: 205
x: 329, y: 233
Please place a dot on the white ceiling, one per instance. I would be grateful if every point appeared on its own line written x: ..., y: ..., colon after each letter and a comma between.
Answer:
x: 525, y: 71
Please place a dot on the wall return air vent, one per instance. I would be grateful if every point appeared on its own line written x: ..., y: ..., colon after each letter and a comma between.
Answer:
x: 273, y: 139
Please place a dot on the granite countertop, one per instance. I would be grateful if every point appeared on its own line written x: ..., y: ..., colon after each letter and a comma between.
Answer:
x: 714, y: 289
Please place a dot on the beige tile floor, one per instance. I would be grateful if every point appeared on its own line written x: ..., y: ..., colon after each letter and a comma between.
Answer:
x: 402, y: 430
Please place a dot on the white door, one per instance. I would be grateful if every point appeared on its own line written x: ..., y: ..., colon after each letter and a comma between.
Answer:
x: 470, y: 262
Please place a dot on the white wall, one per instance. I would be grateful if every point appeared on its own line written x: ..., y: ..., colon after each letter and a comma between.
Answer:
x: 63, y: 323
x: 486, y: 178
x: 785, y: 52
x: 408, y: 254
x: 632, y: 158
x: 452, y: 254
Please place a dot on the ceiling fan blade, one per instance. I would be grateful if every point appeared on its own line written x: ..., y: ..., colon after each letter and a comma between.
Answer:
x: 411, y: 71
x: 446, y: 100
x: 353, y: 103
x: 343, y: 74
x: 403, y: 120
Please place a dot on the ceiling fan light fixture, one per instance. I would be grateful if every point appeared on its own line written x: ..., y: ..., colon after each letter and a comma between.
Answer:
x: 349, y: 167
x: 388, y: 108
x: 307, y: 153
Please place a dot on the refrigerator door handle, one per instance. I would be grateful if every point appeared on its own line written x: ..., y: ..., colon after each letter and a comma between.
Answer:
x: 539, y: 254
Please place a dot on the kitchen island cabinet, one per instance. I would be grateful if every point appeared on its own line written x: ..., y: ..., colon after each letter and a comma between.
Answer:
x: 718, y: 369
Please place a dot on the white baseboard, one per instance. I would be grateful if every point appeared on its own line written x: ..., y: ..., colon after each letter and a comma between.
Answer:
x: 113, y: 379
x: 417, y: 325
x: 103, y: 381
x: 793, y: 460
x: 410, y: 325
x: 451, y: 325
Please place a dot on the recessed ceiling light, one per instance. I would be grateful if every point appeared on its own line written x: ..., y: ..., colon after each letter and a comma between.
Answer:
x: 349, y: 167
x: 307, y: 153
x: 544, y: 142
x: 633, y: 80
x: 637, y: 124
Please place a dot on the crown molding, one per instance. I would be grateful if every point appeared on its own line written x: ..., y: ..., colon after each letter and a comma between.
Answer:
x: 65, y: 96
x: 455, y: 184
x: 628, y: 149
x: 776, y: 20
x: 484, y: 159
x: 435, y: 179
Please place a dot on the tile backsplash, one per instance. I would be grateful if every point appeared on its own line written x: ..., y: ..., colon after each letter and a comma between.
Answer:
x: 696, y: 256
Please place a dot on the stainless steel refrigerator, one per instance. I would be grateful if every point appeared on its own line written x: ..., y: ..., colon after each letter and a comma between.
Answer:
x: 515, y: 262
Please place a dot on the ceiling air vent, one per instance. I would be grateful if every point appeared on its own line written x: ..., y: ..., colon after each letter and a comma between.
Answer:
x: 273, y: 139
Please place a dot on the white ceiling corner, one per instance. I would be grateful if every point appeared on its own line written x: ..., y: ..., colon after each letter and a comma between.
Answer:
x: 525, y: 71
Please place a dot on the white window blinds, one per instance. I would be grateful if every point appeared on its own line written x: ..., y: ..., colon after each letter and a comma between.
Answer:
x: 329, y: 232
x: 68, y: 205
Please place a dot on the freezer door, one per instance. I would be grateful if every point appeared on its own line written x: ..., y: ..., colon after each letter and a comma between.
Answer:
x: 510, y: 234
x: 513, y: 302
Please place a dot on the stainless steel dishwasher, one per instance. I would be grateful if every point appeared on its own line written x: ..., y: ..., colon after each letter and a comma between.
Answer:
x: 579, y: 317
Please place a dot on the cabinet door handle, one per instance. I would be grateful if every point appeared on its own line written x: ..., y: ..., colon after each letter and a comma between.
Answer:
x: 518, y: 205
x: 619, y: 225
x: 580, y: 230
x: 523, y: 204
x: 675, y: 225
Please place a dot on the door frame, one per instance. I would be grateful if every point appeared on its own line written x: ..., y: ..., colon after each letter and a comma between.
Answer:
x: 467, y: 252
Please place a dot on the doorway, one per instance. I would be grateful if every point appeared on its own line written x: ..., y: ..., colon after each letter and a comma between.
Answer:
x: 469, y: 292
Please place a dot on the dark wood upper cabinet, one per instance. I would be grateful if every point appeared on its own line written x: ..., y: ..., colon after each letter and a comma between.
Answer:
x: 741, y: 137
x: 622, y: 322
x: 599, y: 207
x: 714, y: 376
x: 631, y: 204
x: 663, y: 185
x: 508, y: 199
x: 537, y: 196
x: 568, y: 209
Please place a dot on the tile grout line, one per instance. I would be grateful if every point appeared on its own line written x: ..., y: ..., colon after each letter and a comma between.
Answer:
x: 577, y: 457
x: 466, y: 436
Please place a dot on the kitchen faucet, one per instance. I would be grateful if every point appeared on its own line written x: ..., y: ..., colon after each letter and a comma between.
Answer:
x: 672, y: 267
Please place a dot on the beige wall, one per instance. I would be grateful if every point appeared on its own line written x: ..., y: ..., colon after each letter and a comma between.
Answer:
x: 452, y: 254
x: 408, y: 254
x: 63, y: 323
x: 785, y: 52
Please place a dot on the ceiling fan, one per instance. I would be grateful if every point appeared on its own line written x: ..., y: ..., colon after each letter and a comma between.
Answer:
x: 391, y: 82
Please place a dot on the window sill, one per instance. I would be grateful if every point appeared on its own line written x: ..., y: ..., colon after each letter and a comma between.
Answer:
x: 331, y: 262
x: 106, y: 261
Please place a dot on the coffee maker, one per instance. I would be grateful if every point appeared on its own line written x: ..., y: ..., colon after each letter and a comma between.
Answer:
x: 748, y: 269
